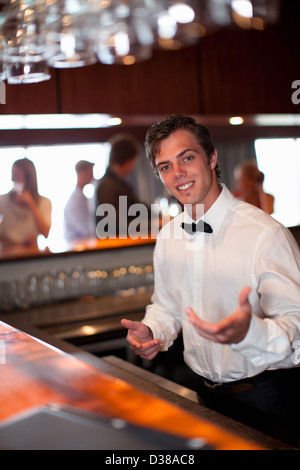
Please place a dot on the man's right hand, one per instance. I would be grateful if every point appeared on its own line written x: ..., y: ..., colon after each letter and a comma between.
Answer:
x: 140, y: 339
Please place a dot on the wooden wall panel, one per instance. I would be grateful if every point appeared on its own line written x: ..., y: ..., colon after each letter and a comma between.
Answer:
x: 34, y: 98
x: 251, y: 71
x: 166, y: 83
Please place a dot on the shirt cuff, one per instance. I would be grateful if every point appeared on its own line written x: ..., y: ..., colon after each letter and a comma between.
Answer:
x: 250, y: 339
x: 264, y: 344
x: 157, y: 334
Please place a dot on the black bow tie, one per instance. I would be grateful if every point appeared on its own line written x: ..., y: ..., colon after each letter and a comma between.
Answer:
x: 199, y: 227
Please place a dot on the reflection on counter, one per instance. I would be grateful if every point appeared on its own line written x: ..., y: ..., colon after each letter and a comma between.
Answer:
x: 2, y: 352
x: 63, y: 386
x: 73, y: 283
x: 9, y: 251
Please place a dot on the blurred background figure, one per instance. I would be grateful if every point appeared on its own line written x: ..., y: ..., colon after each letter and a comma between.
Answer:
x: 25, y: 213
x: 124, y: 154
x: 79, y: 213
x: 249, y: 186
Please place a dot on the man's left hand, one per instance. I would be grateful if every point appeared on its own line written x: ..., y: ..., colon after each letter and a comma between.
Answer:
x: 229, y: 330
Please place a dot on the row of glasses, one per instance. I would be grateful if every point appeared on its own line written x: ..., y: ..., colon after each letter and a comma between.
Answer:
x: 55, y: 286
x: 130, y: 280
x: 37, y: 34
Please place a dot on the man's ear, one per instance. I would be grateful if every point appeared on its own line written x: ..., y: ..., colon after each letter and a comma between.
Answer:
x: 213, y: 159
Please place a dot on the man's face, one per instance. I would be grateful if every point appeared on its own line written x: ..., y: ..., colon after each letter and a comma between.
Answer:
x: 185, y: 171
x: 243, y: 182
x: 17, y: 175
x: 87, y: 175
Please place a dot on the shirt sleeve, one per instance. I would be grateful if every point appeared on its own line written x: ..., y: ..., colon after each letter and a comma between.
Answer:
x: 271, y: 340
x: 161, y: 316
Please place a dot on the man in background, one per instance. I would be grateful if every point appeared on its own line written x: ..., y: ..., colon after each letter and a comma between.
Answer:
x: 124, y: 154
x: 78, y: 216
x: 249, y: 186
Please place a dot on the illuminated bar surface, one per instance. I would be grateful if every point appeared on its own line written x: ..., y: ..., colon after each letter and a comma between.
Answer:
x: 34, y: 374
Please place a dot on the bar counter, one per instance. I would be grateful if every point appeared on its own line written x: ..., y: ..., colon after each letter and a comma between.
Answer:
x: 35, y: 374
x: 47, y: 357
x: 13, y: 252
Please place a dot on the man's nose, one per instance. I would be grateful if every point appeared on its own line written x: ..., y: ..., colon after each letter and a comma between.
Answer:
x: 178, y: 170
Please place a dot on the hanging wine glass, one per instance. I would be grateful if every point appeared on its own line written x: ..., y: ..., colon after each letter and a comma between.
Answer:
x: 125, y: 34
x: 67, y: 29
x: 24, y: 45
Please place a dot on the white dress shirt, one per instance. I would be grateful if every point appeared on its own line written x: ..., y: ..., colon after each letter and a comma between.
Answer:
x: 79, y: 218
x: 207, y: 271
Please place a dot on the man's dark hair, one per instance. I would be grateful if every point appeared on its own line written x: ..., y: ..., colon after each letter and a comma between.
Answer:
x: 163, y: 129
x: 124, y: 147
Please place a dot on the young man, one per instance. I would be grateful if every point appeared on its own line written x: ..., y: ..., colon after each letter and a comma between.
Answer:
x: 233, y: 289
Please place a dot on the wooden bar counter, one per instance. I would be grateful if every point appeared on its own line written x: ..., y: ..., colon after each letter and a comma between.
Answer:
x: 52, y: 387
x: 35, y: 374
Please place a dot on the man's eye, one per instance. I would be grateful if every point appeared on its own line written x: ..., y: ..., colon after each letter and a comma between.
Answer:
x: 188, y: 158
x: 164, y: 168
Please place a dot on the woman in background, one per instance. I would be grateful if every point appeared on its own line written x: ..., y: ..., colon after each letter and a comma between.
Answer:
x: 249, y: 186
x: 25, y: 213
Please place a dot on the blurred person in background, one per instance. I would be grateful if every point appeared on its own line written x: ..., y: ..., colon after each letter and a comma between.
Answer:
x: 79, y: 218
x: 124, y: 154
x: 249, y: 186
x: 25, y: 213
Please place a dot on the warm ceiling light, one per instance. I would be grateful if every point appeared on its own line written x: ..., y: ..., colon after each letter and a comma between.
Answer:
x: 58, y: 121
x: 114, y: 121
x: 277, y: 120
x: 236, y: 120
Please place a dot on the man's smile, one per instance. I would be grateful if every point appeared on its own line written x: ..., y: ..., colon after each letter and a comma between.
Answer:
x: 185, y: 186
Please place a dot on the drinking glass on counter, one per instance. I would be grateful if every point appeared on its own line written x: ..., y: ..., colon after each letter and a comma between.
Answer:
x: 71, y: 283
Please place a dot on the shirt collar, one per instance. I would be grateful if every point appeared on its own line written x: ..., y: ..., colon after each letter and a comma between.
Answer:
x: 216, y: 213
